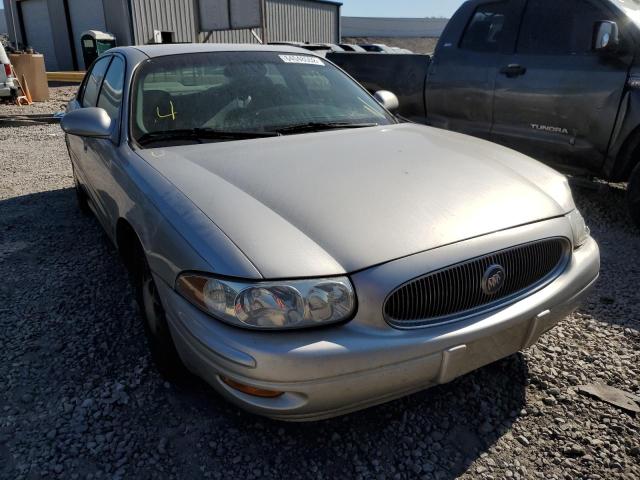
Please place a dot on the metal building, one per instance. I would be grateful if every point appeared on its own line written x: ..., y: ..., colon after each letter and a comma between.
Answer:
x: 53, y: 27
x: 393, y: 27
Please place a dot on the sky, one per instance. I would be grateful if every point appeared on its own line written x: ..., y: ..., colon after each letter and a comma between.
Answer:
x: 400, y: 8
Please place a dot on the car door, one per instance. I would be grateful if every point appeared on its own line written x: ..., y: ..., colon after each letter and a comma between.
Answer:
x: 462, y: 75
x: 78, y: 146
x: 102, y: 153
x: 556, y: 98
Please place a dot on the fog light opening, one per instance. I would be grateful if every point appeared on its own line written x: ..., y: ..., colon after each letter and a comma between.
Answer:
x: 249, y: 390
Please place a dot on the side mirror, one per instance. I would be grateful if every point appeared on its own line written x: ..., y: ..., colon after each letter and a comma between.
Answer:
x: 606, y: 37
x: 387, y: 99
x: 87, y: 122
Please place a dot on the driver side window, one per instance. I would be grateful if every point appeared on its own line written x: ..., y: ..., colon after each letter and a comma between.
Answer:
x: 94, y: 81
x: 566, y: 27
x: 111, y: 91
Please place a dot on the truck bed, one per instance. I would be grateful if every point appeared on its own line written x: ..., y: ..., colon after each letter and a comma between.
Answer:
x: 403, y: 74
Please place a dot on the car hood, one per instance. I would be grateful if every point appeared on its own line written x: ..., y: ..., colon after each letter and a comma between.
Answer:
x: 337, y: 202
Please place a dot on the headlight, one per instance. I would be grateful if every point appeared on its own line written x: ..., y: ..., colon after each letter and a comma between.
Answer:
x: 270, y: 305
x: 580, y: 230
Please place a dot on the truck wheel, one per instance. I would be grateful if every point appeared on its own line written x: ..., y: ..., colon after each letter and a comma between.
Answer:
x: 163, y: 350
x: 633, y: 195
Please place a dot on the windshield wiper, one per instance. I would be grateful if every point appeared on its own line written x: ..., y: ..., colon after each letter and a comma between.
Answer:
x: 200, y: 134
x: 320, y: 126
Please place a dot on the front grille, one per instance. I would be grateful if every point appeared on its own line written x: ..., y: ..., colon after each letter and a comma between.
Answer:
x: 462, y: 290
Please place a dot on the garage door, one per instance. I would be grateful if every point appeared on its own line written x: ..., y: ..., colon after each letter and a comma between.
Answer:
x: 38, y: 29
x: 85, y: 15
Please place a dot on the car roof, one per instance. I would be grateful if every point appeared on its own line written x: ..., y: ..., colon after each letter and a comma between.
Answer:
x: 291, y: 44
x: 162, y: 50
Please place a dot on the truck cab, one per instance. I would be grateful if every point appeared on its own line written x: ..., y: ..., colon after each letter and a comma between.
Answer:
x: 527, y: 74
x: 557, y: 80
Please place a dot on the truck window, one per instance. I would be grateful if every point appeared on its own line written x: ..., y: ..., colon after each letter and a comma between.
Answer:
x: 484, y: 32
x: 552, y: 27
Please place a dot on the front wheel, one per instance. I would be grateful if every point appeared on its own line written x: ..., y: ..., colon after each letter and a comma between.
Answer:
x: 163, y: 350
x: 633, y: 195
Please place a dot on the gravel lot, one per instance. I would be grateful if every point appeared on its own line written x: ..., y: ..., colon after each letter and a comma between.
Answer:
x: 79, y: 397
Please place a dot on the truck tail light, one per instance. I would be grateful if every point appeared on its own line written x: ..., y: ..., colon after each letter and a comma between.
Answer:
x: 7, y: 70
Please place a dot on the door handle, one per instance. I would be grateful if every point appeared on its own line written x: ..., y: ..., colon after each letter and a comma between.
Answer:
x: 513, y: 70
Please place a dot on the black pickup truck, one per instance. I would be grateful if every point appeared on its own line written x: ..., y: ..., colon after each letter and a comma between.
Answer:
x: 558, y: 80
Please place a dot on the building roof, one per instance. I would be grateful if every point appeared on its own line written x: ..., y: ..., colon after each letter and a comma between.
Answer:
x: 339, y: 4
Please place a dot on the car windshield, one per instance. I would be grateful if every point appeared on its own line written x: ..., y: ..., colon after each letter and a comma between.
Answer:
x: 237, y: 94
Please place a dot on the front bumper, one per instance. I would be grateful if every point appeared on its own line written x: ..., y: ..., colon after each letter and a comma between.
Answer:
x: 336, y: 370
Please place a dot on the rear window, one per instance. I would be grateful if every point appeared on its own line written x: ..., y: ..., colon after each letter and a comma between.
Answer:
x: 485, y: 30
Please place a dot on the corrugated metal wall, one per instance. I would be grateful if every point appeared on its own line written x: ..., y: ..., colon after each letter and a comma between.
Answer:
x: 393, y: 27
x: 229, y: 36
x: 175, y: 16
x: 302, y: 21
x: 287, y: 20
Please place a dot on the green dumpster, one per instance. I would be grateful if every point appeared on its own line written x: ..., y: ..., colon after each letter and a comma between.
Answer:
x: 95, y: 43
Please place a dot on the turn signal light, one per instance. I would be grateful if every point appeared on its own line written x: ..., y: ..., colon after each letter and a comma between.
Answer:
x: 256, y: 392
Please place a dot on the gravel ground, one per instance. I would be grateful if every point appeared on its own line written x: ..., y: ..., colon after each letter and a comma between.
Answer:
x: 79, y: 397
x: 58, y: 98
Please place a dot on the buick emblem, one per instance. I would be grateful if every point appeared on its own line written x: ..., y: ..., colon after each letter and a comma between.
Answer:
x: 493, y: 279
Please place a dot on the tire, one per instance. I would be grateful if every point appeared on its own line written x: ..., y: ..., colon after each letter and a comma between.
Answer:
x: 633, y: 195
x: 81, y: 196
x: 161, y: 345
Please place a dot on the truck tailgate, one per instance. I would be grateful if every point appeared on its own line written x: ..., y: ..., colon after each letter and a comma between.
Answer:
x: 403, y: 74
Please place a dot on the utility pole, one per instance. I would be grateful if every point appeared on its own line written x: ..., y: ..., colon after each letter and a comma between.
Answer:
x: 13, y: 24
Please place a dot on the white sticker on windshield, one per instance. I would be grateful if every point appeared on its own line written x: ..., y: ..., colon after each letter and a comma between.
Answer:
x: 304, y: 59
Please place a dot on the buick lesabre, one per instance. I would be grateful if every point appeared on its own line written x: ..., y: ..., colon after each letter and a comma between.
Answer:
x: 299, y: 247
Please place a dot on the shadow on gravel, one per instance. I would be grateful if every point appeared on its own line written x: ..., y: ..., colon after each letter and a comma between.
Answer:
x: 78, y: 394
x: 437, y: 433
